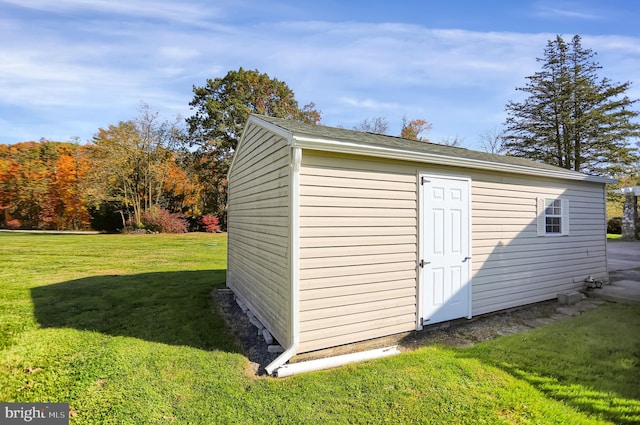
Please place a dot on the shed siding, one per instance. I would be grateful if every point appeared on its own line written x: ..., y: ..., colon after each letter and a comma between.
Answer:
x: 358, y: 247
x: 512, y: 265
x: 258, y: 228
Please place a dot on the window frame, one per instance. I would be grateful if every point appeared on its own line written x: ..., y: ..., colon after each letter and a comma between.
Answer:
x: 553, y: 216
x: 559, y: 212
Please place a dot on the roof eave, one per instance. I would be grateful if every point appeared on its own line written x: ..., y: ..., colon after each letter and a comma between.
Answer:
x: 341, y: 146
x: 282, y: 132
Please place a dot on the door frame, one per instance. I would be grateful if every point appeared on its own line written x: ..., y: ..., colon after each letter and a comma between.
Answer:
x: 421, y: 234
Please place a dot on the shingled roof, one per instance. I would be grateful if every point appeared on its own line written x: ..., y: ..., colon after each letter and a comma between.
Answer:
x: 320, y: 137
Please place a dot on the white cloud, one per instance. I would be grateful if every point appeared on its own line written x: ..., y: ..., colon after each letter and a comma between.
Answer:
x: 96, y: 70
x: 573, y: 10
x: 367, y: 103
x: 567, y: 13
x: 188, y: 12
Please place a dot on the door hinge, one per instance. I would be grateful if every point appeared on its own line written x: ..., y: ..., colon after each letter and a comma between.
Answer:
x: 423, y: 181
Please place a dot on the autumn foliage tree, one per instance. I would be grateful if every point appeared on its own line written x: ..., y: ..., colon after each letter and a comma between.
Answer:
x: 67, y: 187
x: 414, y: 129
x: 41, y: 185
x: 133, y: 162
x: 133, y: 169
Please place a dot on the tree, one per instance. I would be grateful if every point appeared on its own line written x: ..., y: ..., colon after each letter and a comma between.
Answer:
x: 40, y: 185
x: 491, y: 141
x: 182, y: 187
x: 222, y: 108
x: 377, y: 125
x: 132, y: 161
x: 571, y: 118
x: 455, y: 141
x: 66, y: 187
x: 413, y: 129
x: 223, y: 105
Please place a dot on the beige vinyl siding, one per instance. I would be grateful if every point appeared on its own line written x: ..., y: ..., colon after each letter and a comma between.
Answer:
x: 358, y: 242
x: 359, y: 238
x: 258, y: 228
x: 512, y: 265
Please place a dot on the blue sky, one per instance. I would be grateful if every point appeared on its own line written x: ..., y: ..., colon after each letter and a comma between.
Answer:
x: 70, y: 67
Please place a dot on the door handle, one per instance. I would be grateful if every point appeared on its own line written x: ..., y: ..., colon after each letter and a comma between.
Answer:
x: 423, y: 263
x: 465, y: 259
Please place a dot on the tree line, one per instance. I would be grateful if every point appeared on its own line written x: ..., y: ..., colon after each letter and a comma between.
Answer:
x: 154, y: 175
x: 104, y: 185
x: 145, y: 173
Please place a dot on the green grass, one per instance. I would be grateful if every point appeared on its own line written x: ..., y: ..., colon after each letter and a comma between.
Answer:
x: 123, y: 328
x: 591, y: 362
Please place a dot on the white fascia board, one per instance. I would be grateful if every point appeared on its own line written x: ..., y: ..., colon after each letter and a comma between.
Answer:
x: 286, y: 134
x: 391, y: 153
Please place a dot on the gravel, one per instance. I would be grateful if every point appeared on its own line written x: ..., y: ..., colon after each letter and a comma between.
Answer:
x: 459, y: 333
x: 253, y: 344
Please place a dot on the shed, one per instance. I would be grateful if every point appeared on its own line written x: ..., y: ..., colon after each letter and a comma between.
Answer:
x: 338, y: 236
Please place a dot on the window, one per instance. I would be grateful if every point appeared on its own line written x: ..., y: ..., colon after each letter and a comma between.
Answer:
x: 553, y: 216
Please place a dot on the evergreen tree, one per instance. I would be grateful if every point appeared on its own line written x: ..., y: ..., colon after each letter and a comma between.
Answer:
x: 571, y: 118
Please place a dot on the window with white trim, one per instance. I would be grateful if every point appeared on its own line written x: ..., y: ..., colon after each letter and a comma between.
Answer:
x: 553, y: 216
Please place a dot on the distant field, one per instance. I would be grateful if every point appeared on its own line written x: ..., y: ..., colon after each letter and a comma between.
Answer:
x: 123, y: 328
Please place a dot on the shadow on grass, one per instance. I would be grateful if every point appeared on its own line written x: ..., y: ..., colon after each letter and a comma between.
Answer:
x: 173, y: 308
x: 587, y: 362
x: 606, y: 404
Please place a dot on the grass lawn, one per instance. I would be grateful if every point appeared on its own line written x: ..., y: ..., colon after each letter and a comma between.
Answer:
x: 123, y: 328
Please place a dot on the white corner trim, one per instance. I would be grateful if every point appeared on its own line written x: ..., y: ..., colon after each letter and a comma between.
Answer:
x: 295, y: 241
x: 294, y: 263
x: 420, y: 250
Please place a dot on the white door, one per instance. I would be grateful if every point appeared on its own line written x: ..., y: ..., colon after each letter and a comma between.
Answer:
x: 446, y: 255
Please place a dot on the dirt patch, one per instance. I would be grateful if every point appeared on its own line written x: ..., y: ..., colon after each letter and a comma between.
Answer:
x: 466, y: 333
x: 459, y: 333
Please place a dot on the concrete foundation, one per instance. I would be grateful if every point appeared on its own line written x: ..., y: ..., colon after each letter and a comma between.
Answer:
x: 569, y: 298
